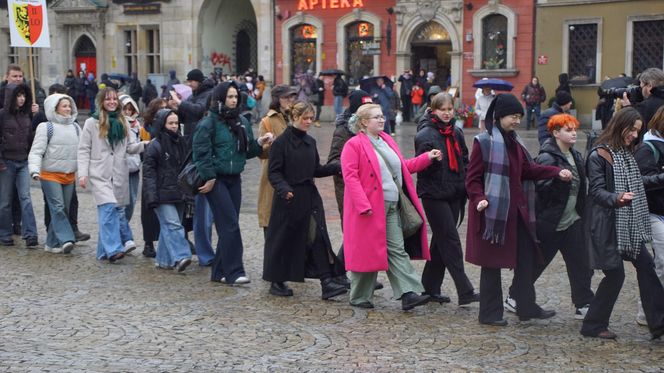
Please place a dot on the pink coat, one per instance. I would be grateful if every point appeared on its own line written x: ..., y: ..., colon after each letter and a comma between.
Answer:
x: 365, y: 236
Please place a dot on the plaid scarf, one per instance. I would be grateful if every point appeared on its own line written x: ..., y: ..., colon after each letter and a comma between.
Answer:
x: 632, y: 221
x: 497, y: 185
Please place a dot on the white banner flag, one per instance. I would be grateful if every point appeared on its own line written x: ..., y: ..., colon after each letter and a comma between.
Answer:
x: 28, y: 23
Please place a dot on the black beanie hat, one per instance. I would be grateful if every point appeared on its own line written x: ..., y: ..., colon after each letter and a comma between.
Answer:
x: 563, y: 98
x: 503, y: 105
x: 196, y: 75
x: 358, y: 98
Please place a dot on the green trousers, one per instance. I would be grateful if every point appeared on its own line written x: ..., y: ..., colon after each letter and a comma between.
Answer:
x: 400, y: 272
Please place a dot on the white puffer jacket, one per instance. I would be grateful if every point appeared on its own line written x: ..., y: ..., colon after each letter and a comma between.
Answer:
x: 60, y: 153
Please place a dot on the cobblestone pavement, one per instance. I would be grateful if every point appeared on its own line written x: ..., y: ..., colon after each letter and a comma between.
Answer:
x: 74, y: 313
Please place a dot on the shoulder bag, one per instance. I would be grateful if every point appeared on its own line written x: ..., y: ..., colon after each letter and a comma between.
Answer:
x: 411, y: 221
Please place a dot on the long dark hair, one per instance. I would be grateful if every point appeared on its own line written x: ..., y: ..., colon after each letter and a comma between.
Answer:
x: 622, y: 121
x: 153, y: 107
x: 27, y: 106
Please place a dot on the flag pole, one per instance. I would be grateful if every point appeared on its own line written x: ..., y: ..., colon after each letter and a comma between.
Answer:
x: 32, y: 76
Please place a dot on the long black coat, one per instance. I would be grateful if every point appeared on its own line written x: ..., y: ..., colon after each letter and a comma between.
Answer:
x: 289, y: 253
x: 646, y: 160
x: 552, y: 194
x: 600, y: 217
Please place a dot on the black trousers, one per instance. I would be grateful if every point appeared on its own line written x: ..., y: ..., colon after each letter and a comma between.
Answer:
x: 572, y: 246
x: 445, y: 250
x: 650, y: 290
x: 491, y: 292
x: 150, y: 223
x: 319, y: 106
x: 406, y: 105
x: 72, y: 211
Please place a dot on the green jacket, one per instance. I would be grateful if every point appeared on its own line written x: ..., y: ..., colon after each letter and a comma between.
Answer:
x: 219, y: 155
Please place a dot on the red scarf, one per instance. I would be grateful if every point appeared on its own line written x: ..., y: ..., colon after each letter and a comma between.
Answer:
x: 453, y: 149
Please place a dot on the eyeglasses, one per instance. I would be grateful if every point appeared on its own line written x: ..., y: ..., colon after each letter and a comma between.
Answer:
x: 378, y: 117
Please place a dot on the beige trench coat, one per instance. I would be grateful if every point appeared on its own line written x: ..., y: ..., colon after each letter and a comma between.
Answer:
x: 273, y: 122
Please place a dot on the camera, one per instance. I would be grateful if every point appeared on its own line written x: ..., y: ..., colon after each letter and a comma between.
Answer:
x: 633, y: 93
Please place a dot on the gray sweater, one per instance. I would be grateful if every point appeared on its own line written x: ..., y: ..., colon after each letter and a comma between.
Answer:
x: 383, y: 151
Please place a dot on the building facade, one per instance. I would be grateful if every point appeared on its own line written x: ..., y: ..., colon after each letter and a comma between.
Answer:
x: 595, y: 40
x: 150, y: 38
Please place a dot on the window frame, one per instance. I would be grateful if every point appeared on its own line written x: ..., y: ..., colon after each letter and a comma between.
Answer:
x: 629, y: 39
x: 132, y: 53
x: 155, y: 54
x: 598, y: 51
x: 478, y: 44
x: 357, y: 15
x: 286, y: 26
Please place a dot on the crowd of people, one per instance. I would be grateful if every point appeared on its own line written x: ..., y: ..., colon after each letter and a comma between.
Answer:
x: 521, y: 211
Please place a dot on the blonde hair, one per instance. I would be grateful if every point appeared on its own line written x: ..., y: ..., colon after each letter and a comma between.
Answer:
x: 363, y: 112
x: 298, y: 109
x: 104, y: 122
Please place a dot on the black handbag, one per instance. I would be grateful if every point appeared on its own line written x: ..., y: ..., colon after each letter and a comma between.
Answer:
x: 188, y: 179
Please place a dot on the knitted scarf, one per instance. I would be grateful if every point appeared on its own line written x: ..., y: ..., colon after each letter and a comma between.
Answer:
x: 632, y: 221
x: 232, y: 119
x: 453, y: 149
x: 116, y: 129
x: 497, y: 185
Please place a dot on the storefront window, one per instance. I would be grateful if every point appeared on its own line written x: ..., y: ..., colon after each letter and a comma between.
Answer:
x: 303, y: 50
x: 494, y: 43
x: 359, y: 53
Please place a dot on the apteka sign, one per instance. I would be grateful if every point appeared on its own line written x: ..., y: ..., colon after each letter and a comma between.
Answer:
x: 329, y: 4
x: 28, y: 23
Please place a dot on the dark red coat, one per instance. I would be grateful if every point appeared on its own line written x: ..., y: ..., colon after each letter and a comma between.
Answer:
x: 482, y: 252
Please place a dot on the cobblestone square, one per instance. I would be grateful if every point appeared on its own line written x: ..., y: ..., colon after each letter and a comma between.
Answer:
x: 72, y: 313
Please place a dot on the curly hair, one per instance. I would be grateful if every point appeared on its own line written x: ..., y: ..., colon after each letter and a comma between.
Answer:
x: 558, y: 121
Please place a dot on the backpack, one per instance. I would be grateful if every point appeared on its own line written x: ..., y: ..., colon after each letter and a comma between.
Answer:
x: 49, y: 131
x: 654, y: 150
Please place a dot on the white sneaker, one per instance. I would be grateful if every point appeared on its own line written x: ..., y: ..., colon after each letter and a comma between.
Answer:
x: 54, y: 250
x: 581, y: 312
x: 242, y: 280
x: 67, y: 247
x: 510, y: 304
x: 129, y: 246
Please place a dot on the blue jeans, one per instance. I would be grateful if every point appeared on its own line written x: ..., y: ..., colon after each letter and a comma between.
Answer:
x: 16, y: 174
x: 203, y: 230
x: 114, y: 230
x: 338, y: 105
x: 58, y: 199
x: 224, y: 201
x: 532, y: 111
x: 173, y: 246
x: 134, y: 178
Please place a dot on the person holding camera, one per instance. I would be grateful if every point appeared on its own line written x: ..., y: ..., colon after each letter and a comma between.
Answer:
x: 652, y: 89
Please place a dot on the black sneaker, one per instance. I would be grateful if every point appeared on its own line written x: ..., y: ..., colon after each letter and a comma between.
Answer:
x: 7, y: 242
x: 411, y: 300
x: 80, y: 236
x: 149, y: 251
x: 31, y: 242
x: 182, y: 264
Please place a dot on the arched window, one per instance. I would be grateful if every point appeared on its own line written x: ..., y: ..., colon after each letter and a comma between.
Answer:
x: 494, y: 42
x: 359, y: 50
x: 303, y: 49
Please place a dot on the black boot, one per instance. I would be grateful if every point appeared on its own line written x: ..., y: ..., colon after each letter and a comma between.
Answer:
x: 342, y: 280
x: 280, y: 289
x: 80, y: 236
x: 330, y: 288
x: 148, y: 250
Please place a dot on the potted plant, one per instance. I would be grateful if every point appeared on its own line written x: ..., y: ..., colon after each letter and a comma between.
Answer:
x: 465, y: 114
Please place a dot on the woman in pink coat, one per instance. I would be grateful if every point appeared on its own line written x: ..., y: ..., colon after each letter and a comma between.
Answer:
x: 372, y: 165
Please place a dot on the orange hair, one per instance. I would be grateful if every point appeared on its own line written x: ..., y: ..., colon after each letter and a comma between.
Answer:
x: 559, y: 121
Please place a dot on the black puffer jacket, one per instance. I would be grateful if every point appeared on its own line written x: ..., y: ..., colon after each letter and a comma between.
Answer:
x: 552, y: 194
x: 542, y: 131
x: 16, y: 132
x: 600, y: 217
x: 161, y: 164
x: 646, y: 161
x: 193, y: 109
x: 438, y: 181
